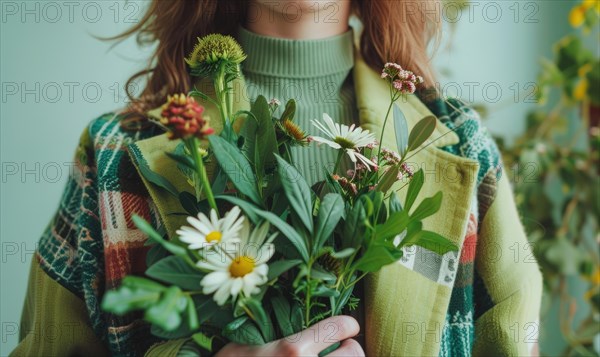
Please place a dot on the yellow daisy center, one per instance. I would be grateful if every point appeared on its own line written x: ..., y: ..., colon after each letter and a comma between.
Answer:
x: 213, y: 237
x: 344, y: 143
x: 241, y: 266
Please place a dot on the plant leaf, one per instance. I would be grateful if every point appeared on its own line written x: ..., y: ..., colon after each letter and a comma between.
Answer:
x: 261, y: 318
x: 155, y: 178
x: 261, y: 155
x: 236, y: 166
x: 401, y: 129
x: 281, y: 266
x: 421, y: 132
x: 330, y: 212
x: 288, y: 232
x: 290, y: 110
x: 395, y: 205
x: 388, y: 179
x: 188, y: 202
x: 428, y: 206
x: 282, y: 310
x: 414, y: 187
x: 166, y: 314
x: 155, y: 236
x: 394, y: 225
x: 374, y: 259
x: 175, y: 271
x: 156, y: 253
x: 297, y: 191
x: 182, y: 159
x: 255, y: 213
x: 203, y: 341
x: 432, y: 241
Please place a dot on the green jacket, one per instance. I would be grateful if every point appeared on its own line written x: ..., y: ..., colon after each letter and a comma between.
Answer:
x: 406, y: 306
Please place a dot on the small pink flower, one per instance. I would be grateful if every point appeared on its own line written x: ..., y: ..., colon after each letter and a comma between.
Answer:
x: 406, y: 170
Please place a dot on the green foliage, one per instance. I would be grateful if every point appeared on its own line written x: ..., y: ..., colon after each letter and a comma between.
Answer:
x: 236, y: 167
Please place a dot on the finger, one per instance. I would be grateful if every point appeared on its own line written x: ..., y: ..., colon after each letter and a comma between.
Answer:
x: 348, y: 348
x: 324, y: 334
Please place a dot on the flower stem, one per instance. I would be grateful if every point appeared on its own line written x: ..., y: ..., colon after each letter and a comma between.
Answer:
x: 307, y: 299
x: 219, y: 83
x: 338, y: 161
x: 193, y: 146
x: 384, y: 123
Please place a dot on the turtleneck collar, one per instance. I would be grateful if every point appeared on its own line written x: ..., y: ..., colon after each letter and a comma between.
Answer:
x: 280, y: 57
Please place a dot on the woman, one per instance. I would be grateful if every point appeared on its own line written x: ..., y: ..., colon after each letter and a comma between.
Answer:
x: 480, y: 302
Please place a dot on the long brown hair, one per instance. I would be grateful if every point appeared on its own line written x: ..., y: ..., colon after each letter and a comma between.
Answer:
x: 393, y: 31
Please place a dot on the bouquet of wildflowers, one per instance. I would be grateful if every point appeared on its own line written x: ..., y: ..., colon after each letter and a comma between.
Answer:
x: 264, y: 255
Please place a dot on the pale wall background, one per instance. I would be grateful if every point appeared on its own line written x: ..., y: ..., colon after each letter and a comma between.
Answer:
x: 55, y: 78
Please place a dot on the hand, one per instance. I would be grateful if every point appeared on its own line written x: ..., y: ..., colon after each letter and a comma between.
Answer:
x: 308, y: 342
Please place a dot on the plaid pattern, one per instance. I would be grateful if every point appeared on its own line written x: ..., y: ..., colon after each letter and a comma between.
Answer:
x: 475, y: 143
x: 91, y: 243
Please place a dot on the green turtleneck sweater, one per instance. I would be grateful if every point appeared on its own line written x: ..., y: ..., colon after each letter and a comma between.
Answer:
x: 316, y: 73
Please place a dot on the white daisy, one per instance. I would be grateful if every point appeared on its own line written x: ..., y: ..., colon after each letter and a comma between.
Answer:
x: 348, y: 138
x: 238, y: 266
x: 205, y: 232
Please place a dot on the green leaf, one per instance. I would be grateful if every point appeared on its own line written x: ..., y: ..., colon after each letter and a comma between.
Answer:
x: 282, y: 310
x: 188, y: 202
x: 324, y: 291
x: 330, y: 212
x: 354, y: 226
x: 155, y: 178
x: 167, y: 312
x: 428, y: 207
x: 192, y: 316
x: 414, y: 187
x: 290, y: 110
x: 136, y: 282
x: 281, y: 266
x: 127, y: 299
x: 376, y: 257
x: 203, y: 341
x: 235, y: 324
x: 246, y: 334
x: 395, y: 224
x: 219, y: 182
x: 421, y: 132
x: 395, y: 205
x: 401, y: 129
x: 175, y: 271
x: 261, y: 318
x: 288, y: 231
x: 344, y: 253
x: 182, y: 159
x: 260, y: 142
x: 388, y: 179
x: 320, y: 273
x: 155, y: 236
x: 432, y: 241
x: 297, y: 192
x: 255, y: 214
x: 248, y: 208
x: 236, y: 166
x: 156, y: 253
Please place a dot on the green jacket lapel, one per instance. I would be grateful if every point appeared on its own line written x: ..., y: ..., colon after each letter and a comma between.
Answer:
x: 406, y: 304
